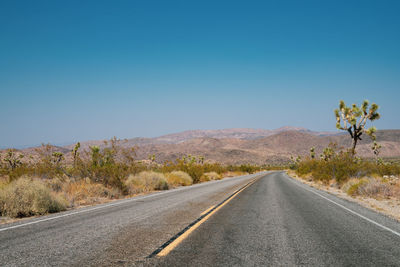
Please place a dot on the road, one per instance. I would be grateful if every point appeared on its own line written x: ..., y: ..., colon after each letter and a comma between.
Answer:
x: 275, y: 220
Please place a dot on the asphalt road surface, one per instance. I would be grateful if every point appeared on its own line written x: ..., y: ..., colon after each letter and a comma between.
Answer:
x: 274, y: 221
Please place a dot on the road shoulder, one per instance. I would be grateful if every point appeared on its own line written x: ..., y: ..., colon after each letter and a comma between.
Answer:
x: 388, y: 207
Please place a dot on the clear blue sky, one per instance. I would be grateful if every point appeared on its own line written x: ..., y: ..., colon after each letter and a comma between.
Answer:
x: 79, y: 70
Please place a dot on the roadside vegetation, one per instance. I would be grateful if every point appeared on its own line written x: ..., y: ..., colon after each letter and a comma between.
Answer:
x: 341, y: 168
x: 50, y: 183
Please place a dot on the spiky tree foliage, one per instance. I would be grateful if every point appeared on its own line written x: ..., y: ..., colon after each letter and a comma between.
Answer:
x: 152, y: 158
x: 201, y: 159
x: 353, y: 120
x: 75, y: 152
x: 95, y: 153
x: 376, y: 148
x: 312, y: 152
x: 57, y: 157
x: 110, y: 152
x: 13, y: 159
x: 329, y: 152
x: 192, y: 159
x: 294, y: 162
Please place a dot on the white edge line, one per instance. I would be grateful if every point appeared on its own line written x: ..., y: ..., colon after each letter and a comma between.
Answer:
x: 101, y: 207
x: 80, y: 211
x: 349, y: 210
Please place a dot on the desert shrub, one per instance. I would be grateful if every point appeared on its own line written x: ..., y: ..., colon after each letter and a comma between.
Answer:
x: 177, y: 178
x: 306, y: 166
x: 85, y: 192
x: 27, y: 197
x: 352, y: 186
x: 56, y: 184
x: 3, y: 183
x: 248, y: 168
x: 195, y: 167
x: 375, y: 188
x: 208, y: 176
x: 340, y: 166
x: 370, y: 187
x: 146, y: 181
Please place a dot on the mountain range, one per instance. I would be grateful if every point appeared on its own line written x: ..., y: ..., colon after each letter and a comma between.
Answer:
x: 243, y: 145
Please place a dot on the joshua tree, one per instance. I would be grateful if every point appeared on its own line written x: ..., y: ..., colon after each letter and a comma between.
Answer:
x: 13, y: 159
x: 353, y: 120
x: 95, y: 155
x: 327, y: 153
x: 201, y: 159
x: 312, y: 152
x: 152, y: 158
x: 376, y: 148
x: 57, y: 157
x: 75, y: 152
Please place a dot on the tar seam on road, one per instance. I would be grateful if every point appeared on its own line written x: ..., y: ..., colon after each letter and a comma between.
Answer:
x: 168, y: 246
x: 135, y: 199
x: 347, y: 209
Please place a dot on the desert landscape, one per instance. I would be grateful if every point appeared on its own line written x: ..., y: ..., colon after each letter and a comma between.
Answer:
x: 242, y: 146
x: 199, y: 133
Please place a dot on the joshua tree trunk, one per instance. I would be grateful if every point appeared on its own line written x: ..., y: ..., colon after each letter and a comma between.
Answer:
x: 353, y: 149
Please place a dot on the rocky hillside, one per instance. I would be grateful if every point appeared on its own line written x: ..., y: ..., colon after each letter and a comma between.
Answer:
x: 234, y: 146
x: 272, y: 149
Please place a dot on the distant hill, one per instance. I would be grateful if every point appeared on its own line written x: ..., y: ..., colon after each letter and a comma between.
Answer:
x: 235, y: 146
x: 275, y: 148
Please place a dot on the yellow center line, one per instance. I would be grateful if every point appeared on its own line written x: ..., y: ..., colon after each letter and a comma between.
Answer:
x: 207, y: 210
x: 178, y: 240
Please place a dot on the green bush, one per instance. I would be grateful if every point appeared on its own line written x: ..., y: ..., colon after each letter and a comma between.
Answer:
x: 25, y: 197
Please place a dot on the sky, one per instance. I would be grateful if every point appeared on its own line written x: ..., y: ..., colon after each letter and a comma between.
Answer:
x: 84, y: 70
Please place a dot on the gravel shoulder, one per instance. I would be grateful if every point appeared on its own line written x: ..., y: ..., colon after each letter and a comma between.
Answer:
x: 389, y: 207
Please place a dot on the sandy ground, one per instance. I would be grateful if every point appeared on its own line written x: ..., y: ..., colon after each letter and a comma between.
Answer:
x: 389, y: 207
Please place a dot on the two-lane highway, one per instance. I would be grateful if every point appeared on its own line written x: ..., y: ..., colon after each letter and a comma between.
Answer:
x: 273, y: 221
x: 280, y: 222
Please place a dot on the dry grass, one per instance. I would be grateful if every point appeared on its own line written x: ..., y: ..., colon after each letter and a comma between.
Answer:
x: 146, y: 181
x: 26, y: 197
x: 234, y: 173
x: 370, y: 187
x: 85, y: 192
x: 209, y: 176
x: 177, y: 178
